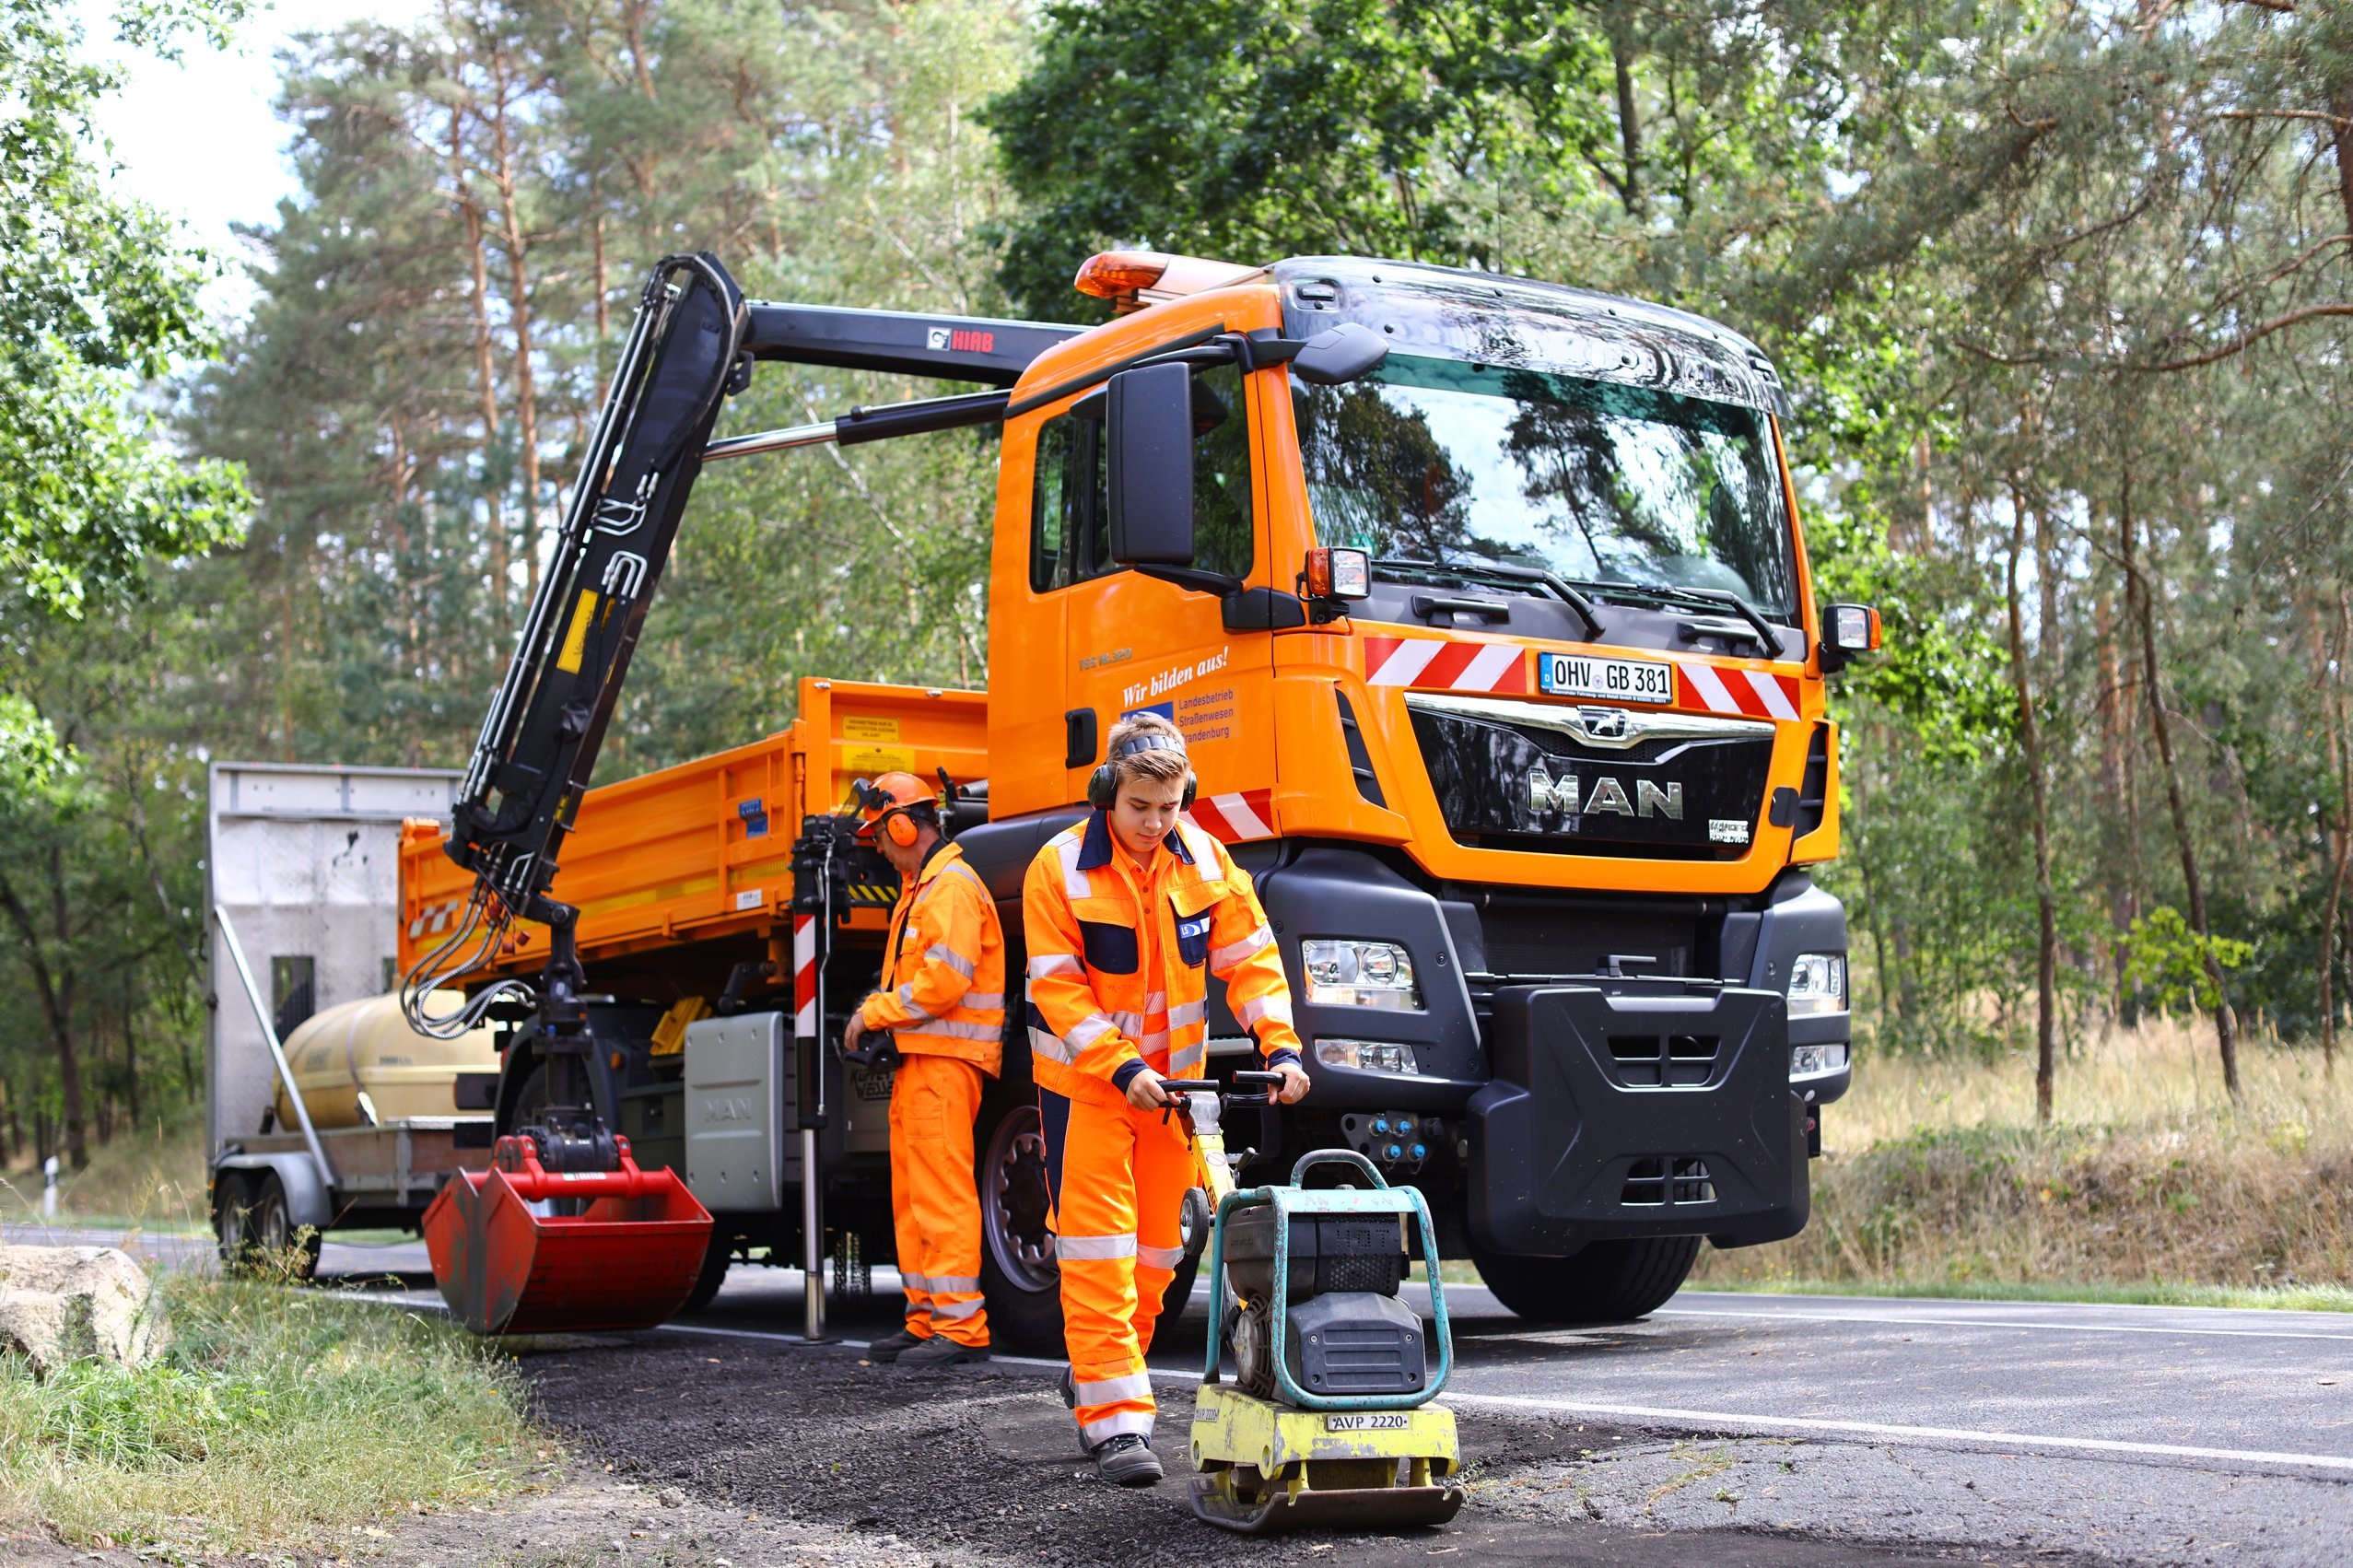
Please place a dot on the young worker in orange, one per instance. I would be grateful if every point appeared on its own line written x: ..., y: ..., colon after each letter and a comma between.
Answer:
x: 1128, y: 914
x: 942, y: 997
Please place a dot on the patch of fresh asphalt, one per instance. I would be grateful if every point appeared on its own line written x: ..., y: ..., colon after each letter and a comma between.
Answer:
x: 1799, y: 1429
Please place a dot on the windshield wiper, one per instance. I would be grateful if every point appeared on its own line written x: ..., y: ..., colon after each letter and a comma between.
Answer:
x: 1765, y: 633
x: 1496, y: 571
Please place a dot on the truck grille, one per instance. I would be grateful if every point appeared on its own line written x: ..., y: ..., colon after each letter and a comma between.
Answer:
x: 1666, y: 1180
x: 1593, y: 780
x: 1664, y: 1062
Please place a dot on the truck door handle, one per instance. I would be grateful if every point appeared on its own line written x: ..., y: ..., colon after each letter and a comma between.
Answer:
x: 1078, y: 738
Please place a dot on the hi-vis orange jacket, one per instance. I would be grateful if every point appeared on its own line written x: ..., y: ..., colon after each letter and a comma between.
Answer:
x: 1119, y: 972
x: 943, y: 971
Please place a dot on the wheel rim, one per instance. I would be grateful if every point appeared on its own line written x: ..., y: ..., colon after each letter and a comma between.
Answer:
x: 1193, y: 1223
x: 1019, y: 1236
x: 228, y: 1228
x: 269, y: 1225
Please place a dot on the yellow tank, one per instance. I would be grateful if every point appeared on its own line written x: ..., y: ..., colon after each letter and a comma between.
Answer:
x: 366, y: 1046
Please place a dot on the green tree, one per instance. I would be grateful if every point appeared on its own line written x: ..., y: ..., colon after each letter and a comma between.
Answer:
x: 97, y: 297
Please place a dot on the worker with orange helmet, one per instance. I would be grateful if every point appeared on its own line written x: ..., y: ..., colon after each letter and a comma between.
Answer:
x: 942, y: 1000
x: 1127, y: 915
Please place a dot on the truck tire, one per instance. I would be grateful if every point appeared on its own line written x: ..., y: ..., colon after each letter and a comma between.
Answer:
x: 232, y: 1206
x: 713, y: 1273
x: 276, y: 1249
x: 1018, y: 1273
x: 1607, y: 1282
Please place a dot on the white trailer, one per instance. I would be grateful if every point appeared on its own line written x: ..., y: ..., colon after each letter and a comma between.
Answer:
x: 301, y: 867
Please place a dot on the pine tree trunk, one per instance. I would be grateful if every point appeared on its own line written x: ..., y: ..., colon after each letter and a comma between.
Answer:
x: 2142, y: 589
x: 518, y: 310
x: 2046, y: 957
x: 2331, y: 670
x: 56, y: 991
x: 485, y: 378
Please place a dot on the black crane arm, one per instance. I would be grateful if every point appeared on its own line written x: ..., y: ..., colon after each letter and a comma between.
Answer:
x: 692, y: 344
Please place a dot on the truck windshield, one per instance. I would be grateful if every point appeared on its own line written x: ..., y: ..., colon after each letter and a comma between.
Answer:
x: 1456, y: 464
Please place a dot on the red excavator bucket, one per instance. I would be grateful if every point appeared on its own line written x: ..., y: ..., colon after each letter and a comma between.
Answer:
x: 628, y: 1262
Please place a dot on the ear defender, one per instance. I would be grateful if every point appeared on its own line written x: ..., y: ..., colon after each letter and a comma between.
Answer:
x: 900, y: 825
x: 1103, y: 784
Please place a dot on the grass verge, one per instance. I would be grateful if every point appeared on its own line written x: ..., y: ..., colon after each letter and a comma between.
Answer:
x: 150, y: 1178
x: 276, y: 1414
x: 2150, y: 1184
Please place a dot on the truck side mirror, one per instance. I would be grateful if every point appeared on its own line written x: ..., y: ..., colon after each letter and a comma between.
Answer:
x: 1847, y: 630
x: 1148, y: 421
x: 1340, y: 354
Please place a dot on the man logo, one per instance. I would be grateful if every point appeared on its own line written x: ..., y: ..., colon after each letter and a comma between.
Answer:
x: 1569, y: 797
x: 1603, y: 723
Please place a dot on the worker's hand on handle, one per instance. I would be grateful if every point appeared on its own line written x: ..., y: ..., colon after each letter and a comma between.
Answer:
x: 1293, y: 1086
x: 857, y: 1028
x: 1145, y: 1091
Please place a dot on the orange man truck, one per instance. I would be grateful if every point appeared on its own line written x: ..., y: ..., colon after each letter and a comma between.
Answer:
x: 1483, y: 607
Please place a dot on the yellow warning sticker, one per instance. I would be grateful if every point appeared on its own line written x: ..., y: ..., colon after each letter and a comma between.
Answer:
x: 867, y: 727
x: 871, y: 760
x: 576, y: 635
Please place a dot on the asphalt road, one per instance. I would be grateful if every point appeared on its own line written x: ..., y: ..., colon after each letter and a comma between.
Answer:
x: 1842, y: 1428
x: 2029, y: 1431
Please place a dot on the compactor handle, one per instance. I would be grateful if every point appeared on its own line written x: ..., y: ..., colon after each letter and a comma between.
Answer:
x: 1336, y: 1157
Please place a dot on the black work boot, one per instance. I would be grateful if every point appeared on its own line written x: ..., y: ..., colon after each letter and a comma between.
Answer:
x: 1127, y: 1459
x: 890, y: 1347
x: 941, y: 1351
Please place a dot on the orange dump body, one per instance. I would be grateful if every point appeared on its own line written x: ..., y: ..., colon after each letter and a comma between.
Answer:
x: 704, y: 849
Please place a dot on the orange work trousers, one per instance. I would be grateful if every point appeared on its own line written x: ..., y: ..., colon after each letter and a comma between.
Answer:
x: 935, y: 1209
x: 1118, y: 1177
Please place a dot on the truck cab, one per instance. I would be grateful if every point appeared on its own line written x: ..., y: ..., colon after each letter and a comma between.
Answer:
x: 1531, y: 810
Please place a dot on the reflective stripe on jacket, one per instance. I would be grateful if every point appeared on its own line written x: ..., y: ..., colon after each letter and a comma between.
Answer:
x: 943, y: 971
x: 1118, y: 971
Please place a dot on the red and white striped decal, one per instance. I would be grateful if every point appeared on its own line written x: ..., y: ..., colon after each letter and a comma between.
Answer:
x: 1441, y: 665
x: 804, y: 977
x: 1444, y: 665
x: 433, y: 919
x: 1719, y: 688
x: 1237, y: 818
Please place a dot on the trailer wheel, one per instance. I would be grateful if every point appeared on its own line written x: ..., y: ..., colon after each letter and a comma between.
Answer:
x: 277, y: 1247
x: 232, y: 1207
x: 1018, y: 1272
x: 1607, y: 1282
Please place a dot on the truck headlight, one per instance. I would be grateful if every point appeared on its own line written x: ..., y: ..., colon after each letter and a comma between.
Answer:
x: 1816, y: 1062
x: 1817, y: 983
x: 1369, y: 1056
x: 1349, y: 973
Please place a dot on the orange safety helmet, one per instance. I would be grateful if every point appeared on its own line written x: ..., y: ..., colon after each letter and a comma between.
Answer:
x: 890, y: 803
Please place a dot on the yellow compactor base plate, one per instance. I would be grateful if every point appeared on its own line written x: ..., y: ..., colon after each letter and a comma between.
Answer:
x: 1260, y: 1468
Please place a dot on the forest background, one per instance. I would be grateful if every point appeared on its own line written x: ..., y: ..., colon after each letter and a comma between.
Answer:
x: 2063, y: 292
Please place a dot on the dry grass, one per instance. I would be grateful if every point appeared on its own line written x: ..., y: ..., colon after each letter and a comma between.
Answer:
x: 276, y: 1415
x: 151, y: 1176
x: 1935, y: 1176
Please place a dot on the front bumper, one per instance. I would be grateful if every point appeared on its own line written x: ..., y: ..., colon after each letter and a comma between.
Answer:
x: 1657, y: 1109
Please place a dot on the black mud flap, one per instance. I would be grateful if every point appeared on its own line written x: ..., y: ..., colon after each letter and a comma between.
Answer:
x: 1621, y: 1115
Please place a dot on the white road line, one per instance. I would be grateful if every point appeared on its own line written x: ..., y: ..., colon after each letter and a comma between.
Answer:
x: 1730, y: 1422
x: 1724, y: 1419
x: 1994, y: 1323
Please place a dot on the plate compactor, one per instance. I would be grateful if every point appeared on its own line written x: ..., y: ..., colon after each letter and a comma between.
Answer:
x: 1328, y: 1420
